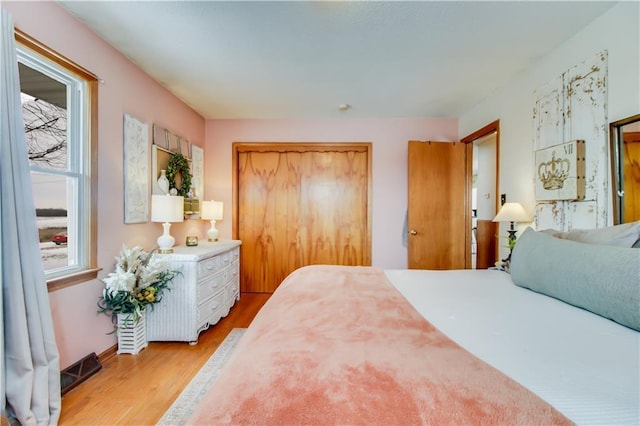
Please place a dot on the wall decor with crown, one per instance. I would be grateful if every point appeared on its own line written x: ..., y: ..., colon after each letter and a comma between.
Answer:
x: 560, y: 172
x: 572, y: 107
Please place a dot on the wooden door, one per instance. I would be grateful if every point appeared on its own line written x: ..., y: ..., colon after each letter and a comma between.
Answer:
x: 631, y: 173
x: 300, y: 204
x: 486, y: 237
x: 438, y: 205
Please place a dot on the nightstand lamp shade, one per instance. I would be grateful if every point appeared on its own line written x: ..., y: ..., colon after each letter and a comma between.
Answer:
x: 166, y: 209
x: 512, y: 212
x: 212, y: 210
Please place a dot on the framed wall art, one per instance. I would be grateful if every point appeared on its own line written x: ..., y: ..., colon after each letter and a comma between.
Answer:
x: 197, y: 169
x: 174, y: 142
x: 136, y: 170
x: 160, y: 137
x: 185, y: 148
x: 560, y: 172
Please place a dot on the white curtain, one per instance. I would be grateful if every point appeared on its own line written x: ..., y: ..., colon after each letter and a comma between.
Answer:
x: 31, y: 368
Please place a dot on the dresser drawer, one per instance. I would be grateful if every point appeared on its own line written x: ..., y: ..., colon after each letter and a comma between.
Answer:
x: 232, y: 272
x: 235, y: 254
x: 231, y: 294
x: 209, y: 310
x: 226, y: 259
x: 209, y: 266
x: 210, y: 285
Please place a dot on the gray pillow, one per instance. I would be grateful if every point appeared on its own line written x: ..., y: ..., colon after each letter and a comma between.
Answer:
x: 624, y: 235
x: 599, y: 278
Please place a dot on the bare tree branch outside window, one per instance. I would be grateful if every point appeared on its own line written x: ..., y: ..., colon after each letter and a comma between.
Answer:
x: 45, y: 127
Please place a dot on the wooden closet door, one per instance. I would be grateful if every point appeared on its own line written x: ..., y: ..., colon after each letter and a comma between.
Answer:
x: 300, y: 207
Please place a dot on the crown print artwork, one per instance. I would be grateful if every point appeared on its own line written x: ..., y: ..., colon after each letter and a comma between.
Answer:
x: 554, y: 172
x: 560, y: 172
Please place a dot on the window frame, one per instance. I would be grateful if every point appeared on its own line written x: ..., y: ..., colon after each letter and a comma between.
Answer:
x: 85, y: 157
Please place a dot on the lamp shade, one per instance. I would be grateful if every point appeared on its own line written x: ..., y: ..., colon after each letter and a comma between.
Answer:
x: 212, y: 210
x: 167, y: 208
x: 512, y: 212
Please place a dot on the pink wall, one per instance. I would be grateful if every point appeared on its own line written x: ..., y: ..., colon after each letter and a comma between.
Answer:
x: 126, y: 89
x: 389, y: 138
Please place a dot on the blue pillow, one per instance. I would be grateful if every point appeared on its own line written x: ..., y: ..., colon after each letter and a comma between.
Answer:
x: 599, y: 278
x: 624, y: 235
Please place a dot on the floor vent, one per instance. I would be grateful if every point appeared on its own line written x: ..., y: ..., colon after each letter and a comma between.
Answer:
x: 77, y: 373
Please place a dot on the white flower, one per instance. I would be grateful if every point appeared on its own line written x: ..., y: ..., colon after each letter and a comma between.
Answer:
x: 130, y: 259
x: 120, y: 280
x: 150, y: 273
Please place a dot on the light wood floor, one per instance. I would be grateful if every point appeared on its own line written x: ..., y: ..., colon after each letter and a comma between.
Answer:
x: 138, y: 389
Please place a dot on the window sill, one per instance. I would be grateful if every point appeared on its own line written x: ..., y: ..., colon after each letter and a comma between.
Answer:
x: 59, y: 283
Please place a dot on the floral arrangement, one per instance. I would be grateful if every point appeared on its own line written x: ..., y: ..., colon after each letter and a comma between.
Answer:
x: 138, y: 281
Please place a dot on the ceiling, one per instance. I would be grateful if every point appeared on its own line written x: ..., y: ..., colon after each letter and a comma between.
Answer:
x: 276, y: 59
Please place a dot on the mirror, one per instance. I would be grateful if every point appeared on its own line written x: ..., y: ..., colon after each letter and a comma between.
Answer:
x: 625, y: 169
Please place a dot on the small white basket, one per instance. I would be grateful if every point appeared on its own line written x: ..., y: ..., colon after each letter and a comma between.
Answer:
x: 132, y: 336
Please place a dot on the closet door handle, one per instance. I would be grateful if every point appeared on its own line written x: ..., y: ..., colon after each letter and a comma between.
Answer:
x: 413, y: 232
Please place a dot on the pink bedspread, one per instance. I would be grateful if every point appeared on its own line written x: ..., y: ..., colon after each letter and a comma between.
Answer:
x: 341, y: 346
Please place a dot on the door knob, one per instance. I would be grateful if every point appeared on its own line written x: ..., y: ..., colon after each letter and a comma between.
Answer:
x: 413, y: 232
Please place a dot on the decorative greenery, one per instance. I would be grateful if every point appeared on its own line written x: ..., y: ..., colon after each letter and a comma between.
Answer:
x: 511, y: 242
x: 178, y: 164
x: 138, y: 281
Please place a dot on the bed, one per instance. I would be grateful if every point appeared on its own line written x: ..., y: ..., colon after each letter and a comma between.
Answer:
x: 359, y: 345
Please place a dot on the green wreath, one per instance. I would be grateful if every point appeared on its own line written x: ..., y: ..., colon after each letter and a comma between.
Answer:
x: 178, y: 164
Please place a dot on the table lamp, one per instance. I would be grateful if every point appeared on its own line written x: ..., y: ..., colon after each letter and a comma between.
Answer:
x: 166, y: 209
x: 511, y: 212
x: 212, y: 210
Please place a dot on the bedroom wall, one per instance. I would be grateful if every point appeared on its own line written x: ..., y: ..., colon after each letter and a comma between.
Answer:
x: 389, y: 138
x: 616, y: 31
x: 126, y: 89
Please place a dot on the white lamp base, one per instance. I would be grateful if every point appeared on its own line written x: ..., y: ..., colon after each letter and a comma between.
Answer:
x: 212, y: 233
x: 166, y: 241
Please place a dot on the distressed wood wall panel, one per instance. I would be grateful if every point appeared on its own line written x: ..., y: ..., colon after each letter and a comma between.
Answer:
x: 548, y: 115
x: 574, y: 106
x: 586, y: 118
x: 581, y: 215
x: 548, y: 119
x: 549, y: 215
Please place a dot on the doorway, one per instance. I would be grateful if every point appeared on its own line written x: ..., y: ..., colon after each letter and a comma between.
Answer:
x: 484, y: 178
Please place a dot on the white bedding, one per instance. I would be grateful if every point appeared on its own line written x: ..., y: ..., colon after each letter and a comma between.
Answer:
x: 586, y: 366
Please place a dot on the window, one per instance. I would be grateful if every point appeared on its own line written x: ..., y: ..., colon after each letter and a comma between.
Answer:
x: 58, y: 111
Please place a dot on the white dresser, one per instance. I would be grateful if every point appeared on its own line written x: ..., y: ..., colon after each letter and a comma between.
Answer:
x: 207, y: 288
